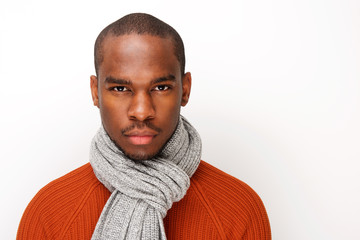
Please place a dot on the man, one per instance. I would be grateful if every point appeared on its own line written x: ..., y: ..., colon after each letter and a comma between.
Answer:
x: 145, y: 179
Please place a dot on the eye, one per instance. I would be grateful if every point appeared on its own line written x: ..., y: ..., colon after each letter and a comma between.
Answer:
x: 161, y: 88
x: 120, y: 89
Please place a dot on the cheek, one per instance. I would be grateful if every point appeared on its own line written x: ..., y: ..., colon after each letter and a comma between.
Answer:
x: 168, y: 110
x: 170, y: 102
x: 112, y: 112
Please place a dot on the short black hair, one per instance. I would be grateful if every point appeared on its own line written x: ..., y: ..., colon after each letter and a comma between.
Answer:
x: 140, y: 23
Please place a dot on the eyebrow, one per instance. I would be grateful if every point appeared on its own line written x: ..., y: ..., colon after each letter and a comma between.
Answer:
x: 117, y: 81
x: 121, y: 81
x: 169, y: 77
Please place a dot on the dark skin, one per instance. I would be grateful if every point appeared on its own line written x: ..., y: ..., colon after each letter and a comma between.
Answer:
x: 139, y: 91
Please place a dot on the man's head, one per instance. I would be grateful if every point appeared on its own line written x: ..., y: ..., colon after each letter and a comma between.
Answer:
x: 140, y: 83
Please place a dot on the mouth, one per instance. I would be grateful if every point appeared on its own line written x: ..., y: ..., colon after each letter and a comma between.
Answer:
x: 141, y: 138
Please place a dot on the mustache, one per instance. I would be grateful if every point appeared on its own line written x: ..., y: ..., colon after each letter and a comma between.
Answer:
x: 140, y: 125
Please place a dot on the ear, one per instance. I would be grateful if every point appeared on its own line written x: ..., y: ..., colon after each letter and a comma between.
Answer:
x: 94, y: 90
x: 186, y: 88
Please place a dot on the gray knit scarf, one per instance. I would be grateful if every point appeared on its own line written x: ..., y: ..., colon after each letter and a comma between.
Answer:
x: 143, y: 191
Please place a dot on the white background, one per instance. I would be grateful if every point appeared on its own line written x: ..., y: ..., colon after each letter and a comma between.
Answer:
x: 276, y: 99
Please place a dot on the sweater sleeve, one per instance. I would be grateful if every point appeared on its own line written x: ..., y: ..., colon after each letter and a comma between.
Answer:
x: 258, y: 226
x: 249, y: 220
x: 237, y: 207
x: 31, y: 225
x: 243, y: 213
x: 55, y: 206
x: 47, y: 212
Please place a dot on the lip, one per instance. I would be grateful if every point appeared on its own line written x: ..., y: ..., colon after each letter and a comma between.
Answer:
x: 141, y: 137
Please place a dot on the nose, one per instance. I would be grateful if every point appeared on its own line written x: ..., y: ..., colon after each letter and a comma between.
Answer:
x: 141, y: 107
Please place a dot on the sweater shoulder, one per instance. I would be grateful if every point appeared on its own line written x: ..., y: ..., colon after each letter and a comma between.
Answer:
x: 54, y: 205
x: 66, y: 189
x: 218, y: 184
x: 235, y: 204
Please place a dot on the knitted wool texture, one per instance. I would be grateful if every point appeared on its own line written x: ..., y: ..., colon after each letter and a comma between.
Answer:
x: 143, y: 191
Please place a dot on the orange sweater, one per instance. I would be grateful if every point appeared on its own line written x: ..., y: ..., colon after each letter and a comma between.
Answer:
x: 216, y: 206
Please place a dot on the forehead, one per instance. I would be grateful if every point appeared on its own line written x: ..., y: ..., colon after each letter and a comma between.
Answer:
x: 132, y: 53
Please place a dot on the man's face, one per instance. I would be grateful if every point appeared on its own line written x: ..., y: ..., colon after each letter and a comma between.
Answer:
x: 139, y: 91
